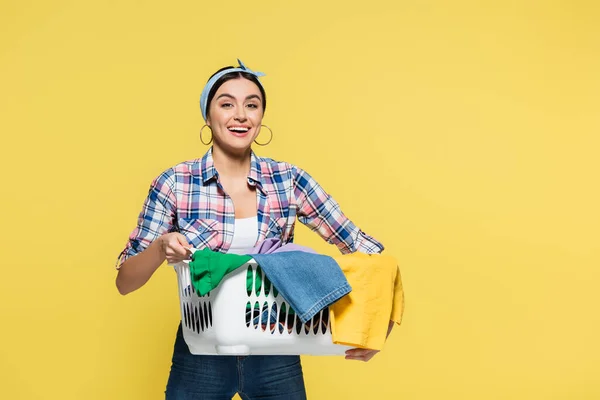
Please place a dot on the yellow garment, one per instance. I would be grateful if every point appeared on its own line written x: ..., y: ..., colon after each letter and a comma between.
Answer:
x: 361, y: 318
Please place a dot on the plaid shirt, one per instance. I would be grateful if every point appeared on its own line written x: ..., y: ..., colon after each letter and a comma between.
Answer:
x: 188, y: 198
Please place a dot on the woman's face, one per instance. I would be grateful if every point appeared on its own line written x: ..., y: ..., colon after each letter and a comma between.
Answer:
x: 235, y: 114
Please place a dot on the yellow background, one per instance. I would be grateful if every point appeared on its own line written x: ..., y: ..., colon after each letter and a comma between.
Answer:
x: 463, y: 135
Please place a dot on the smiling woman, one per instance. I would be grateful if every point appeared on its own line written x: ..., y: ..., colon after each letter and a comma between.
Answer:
x: 235, y: 114
x: 235, y: 199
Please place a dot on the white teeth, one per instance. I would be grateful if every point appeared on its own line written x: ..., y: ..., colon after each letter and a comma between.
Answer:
x: 238, y: 129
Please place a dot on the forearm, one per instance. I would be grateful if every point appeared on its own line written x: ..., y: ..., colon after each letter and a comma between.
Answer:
x: 136, y: 270
x: 321, y: 213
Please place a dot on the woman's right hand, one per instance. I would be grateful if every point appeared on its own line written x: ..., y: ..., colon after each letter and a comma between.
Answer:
x: 174, y: 247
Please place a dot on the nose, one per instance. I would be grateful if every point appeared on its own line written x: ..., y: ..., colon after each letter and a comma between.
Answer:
x: 240, y: 114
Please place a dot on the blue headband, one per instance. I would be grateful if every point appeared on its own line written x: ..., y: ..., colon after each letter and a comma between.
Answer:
x: 211, y: 82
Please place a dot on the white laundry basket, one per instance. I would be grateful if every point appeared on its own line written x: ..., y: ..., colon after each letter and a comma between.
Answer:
x: 231, y: 320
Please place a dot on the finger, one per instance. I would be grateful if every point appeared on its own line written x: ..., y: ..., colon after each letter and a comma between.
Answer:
x: 178, y: 250
x: 362, y: 354
x: 173, y: 256
x: 174, y: 259
x: 362, y: 357
x: 178, y: 253
x: 182, y: 240
x: 357, y: 352
x: 354, y: 358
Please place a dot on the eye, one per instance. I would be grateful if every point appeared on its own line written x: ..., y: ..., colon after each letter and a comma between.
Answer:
x: 252, y: 105
x: 226, y: 105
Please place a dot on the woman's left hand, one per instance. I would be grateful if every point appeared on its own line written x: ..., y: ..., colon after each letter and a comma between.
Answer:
x: 360, y: 354
x: 365, y: 354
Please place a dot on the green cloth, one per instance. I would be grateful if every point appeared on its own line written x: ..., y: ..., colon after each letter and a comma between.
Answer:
x: 255, y: 284
x: 208, y: 268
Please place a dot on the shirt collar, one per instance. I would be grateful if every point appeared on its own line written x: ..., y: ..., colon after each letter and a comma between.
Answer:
x: 209, y: 172
x: 207, y: 167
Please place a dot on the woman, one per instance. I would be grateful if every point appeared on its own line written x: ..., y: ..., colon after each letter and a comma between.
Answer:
x: 229, y: 200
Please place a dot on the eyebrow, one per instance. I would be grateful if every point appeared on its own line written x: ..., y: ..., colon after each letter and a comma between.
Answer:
x: 252, y: 96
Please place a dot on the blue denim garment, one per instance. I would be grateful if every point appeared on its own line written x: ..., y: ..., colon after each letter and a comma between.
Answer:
x: 221, y: 377
x: 308, y: 282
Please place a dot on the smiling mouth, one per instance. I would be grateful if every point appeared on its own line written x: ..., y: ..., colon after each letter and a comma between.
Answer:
x: 238, y: 129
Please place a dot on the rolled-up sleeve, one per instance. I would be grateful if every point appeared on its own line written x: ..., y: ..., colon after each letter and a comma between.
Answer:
x: 322, y: 214
x: 156, y: 218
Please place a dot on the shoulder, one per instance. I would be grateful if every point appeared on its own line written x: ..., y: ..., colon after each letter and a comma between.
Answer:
x: 183, y: 171
x: 273, y: 167
x: 269, y: 164
x: 189, y: 167
x: 281, y: 173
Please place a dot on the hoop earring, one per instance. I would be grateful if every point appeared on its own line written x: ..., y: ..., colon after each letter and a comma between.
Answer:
x: 271, y: 138
x: 203, y: 142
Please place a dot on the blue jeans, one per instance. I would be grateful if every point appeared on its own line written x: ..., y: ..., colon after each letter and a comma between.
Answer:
x: 221, y: 377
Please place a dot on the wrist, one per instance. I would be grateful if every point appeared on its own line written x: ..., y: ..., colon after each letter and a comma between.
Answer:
x: 160, y: 247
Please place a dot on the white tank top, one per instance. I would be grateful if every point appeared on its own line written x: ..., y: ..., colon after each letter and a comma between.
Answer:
x: 245, y: 233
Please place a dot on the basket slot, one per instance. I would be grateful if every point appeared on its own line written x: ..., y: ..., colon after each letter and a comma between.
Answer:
x: 291, y: 319
x: 205, y: 315
x: 192, y: 319
x: 282, y: 317
x: 325, y: 320
x: 298, y: 325
x: 273, y: 317
x: 267, y: 286
x: 249, y: 281
x: 186, y: 315
x: 264, y: 317
x: 258, y: 281
x: 316, y: 322
x: 199, y: 319
x: 248, y: 314
x: 255, y: 315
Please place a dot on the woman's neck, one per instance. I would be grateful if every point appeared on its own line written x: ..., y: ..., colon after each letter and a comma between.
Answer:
x: 231, y: 164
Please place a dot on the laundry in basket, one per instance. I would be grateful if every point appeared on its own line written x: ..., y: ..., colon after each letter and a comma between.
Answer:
x: 219, y: 322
